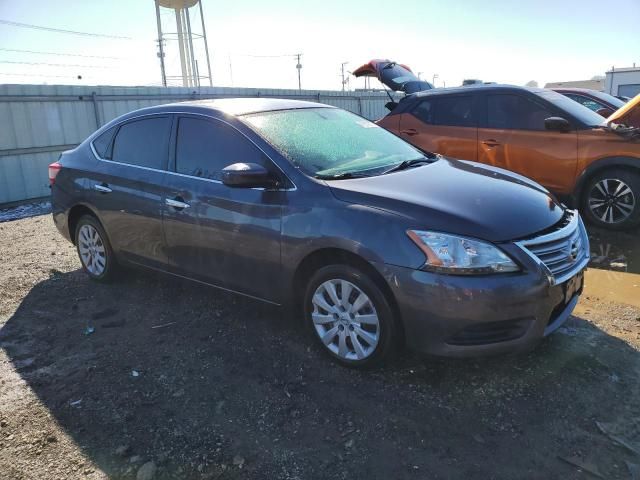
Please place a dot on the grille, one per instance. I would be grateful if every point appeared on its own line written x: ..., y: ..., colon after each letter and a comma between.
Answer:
x: 563, y: 252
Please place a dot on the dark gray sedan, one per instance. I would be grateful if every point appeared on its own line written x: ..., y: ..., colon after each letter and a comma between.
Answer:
x: 374, y: 243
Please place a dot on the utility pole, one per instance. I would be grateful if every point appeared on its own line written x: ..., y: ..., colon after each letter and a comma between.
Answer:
x: 433, y: 81
x: 342, y: 70
x: 299, y: 67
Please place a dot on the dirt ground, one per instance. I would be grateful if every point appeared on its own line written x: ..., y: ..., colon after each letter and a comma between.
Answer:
x: 152, y: 377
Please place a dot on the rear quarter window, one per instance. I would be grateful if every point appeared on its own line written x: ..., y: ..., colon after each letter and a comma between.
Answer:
x: 102, y: 144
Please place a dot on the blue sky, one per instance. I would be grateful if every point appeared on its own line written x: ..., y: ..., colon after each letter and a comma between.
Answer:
x: 495, y: 40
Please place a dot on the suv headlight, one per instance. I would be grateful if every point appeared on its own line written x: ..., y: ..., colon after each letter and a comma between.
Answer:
x: 460, y: 255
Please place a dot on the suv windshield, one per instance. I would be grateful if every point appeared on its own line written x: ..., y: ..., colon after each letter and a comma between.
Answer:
x: 332, y: 142
x: 580, y: 112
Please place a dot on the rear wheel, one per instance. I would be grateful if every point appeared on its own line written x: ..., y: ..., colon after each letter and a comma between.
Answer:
x: 612, y: 199
x: 349, y: 316
x: 94, y: 249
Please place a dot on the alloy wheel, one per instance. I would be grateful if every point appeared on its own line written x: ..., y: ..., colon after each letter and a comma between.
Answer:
x: 92, y: 250
x: 345, y: 319
x: 611, y: 200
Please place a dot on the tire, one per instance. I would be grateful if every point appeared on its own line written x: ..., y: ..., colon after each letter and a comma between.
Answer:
x: 358, y: 332
x: 94, y: 250
x: 611, y: 199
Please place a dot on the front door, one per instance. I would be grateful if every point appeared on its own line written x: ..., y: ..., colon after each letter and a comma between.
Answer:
x: 127, y: 187
x: 228, y: 237
x: 514, y: 137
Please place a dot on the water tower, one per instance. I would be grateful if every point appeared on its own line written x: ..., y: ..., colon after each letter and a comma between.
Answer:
x: 185, y: 38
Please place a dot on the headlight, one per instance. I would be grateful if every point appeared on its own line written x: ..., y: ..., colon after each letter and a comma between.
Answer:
x: 459, y: 255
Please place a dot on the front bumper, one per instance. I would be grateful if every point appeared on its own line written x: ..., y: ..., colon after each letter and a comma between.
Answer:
x: 460, y: 316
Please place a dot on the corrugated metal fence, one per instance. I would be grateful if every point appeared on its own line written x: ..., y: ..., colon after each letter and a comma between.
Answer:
x: 37, y: 122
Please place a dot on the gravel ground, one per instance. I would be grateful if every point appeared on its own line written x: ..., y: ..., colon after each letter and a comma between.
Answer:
x: 156, y: 378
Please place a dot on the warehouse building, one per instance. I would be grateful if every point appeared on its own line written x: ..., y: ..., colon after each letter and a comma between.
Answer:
x: 623, y: 81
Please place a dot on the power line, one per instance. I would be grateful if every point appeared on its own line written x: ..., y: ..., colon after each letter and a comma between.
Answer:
x: 57, y: 53
x: 42, y: 75
x: 54, y: 64
x: 264, y: 56
x: 60, y: 30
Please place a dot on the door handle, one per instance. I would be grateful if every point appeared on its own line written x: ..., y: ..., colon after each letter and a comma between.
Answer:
x: 176, y: 203
x: 490, y: 142
x: 102, y: 188
x: 409, y: 131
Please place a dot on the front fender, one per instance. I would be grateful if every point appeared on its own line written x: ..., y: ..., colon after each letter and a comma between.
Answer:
x: 599, y: 165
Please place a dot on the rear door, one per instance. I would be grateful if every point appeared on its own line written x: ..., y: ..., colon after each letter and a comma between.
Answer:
x: 513, y: 136
x: 229, y: 237
x: 127, y: 187
x: 445, y: 124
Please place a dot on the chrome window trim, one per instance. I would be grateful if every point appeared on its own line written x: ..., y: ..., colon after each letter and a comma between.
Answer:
x: 119, y: 124
x: 574, y: 224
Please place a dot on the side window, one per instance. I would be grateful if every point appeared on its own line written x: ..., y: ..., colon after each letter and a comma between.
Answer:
x: 144, y: 143
x: 514, y: 112
x: 103, y: 144
x: 205, y: 147
x: 454, y: 111
x: 587, y: 102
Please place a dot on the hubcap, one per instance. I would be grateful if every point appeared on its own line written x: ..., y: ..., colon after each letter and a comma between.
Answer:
x: 611, y: 200
x: 345, y: 319
x: 92, y: 252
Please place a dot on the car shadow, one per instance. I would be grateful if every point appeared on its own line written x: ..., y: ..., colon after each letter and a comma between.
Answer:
x: 209, y: 384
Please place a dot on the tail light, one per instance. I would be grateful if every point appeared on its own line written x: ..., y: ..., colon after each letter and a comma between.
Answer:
x: 54, y: 169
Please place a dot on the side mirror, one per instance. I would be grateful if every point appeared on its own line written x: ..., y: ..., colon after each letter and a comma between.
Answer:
x: 247, y: 175
x: 390, y: 105
x: 557, y: 124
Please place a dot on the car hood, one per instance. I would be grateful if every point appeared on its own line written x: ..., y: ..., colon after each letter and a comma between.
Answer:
x: 628, y: 115
x: 460, y: 197
x: 396, y: 76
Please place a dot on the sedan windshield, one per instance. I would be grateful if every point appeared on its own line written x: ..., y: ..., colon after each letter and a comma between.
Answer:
x: 580, y: 112
x: 328, y: 142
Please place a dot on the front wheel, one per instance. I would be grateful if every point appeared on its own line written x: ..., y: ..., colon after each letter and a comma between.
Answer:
x: 350, y: 316
x: 612, y: 199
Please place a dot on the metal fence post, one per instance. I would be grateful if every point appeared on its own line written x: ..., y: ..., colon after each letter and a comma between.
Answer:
x: 96, y: 112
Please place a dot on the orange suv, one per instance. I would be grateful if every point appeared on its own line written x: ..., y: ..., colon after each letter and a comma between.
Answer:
x: 589, y: 162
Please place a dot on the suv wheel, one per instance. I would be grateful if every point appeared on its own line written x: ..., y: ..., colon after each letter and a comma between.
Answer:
x: 349, y: 315
x: 94, y: 249
x: 612, y: 199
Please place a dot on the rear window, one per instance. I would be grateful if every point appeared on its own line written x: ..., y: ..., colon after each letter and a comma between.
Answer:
x: 143, y: 143
x: 456, y: 111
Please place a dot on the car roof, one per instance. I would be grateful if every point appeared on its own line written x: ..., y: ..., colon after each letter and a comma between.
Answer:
x: 575, y: 89
x: 473, y: 88
x: 227, y: 106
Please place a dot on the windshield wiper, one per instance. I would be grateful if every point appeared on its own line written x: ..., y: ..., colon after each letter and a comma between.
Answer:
x: 342, y: 176
x: 407, y: 164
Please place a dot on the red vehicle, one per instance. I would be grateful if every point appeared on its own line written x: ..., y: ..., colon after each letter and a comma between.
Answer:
x: 600, y: 102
